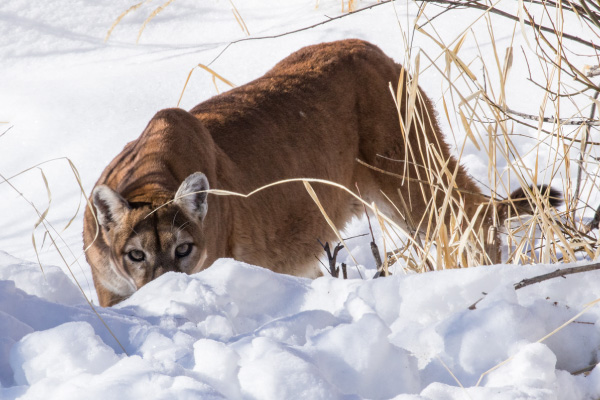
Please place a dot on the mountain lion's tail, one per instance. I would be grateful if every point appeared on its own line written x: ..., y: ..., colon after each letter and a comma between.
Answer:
x: 519, y: 201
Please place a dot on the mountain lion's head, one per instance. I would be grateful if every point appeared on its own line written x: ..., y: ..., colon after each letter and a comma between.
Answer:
x: 146, y: 240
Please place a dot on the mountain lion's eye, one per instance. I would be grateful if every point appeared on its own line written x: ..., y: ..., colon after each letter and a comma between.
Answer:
x: 136, y: 255
x: 183, y: 250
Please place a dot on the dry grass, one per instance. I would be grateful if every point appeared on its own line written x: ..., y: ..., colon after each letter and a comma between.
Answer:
x: 156, y: 11
x: 214, y: 77
x: 480, y: 103
x: 236, y: 14
x: 348, y: 6
x: 120, y: 17
x: 566, y: 323
x: 51, y: 233
x: 239, y: 19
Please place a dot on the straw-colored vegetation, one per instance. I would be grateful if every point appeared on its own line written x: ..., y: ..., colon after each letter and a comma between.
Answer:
x: 477, y: 104
x: 446, y: 238
x: 51, y: 233
x: 236, y: 14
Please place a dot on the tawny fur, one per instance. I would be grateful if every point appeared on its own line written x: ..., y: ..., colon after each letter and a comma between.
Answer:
x: 312, y: 116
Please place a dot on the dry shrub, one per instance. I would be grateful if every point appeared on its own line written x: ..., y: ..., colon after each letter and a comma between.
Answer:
x: 484, y: 115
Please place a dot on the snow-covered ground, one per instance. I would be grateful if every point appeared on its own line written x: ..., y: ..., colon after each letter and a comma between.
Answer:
x: 234, y: 330
x: 239, y: 331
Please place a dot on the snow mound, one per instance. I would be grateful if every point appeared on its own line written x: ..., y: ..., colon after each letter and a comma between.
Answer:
x: 51, y: 284
x: 241, y: 332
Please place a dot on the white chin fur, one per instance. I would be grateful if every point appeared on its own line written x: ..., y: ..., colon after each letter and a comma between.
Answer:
x: 117, y: 283
x: 200, y: 266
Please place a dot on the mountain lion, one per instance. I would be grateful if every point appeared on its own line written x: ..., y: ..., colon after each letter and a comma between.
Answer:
x: 312, y: 116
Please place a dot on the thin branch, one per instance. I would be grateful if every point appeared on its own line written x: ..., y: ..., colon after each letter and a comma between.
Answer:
x: 333, y: 269
x: 6, y: 131
x: 367, y: 214
x: 592, y: 15
x: 562, y: 137
x: 356, y: 236
x: 584, y: 143
x: 319, y: 260
x: 450, y: 3
x: 526, y: 116
x: 584, y: 370
x: 329, y: 19
x: 344, y: 271
x: 374, y: 248
x: 553, y: 120
x: 594, y: 224
x: 577, y: 75
x: 564, y: 5
x: 556, y: 274
x: 593, y: 71
x: 483, y: 7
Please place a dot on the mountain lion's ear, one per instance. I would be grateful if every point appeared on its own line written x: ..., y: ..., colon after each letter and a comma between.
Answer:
x: 192, y: 195
x: 111, y: 207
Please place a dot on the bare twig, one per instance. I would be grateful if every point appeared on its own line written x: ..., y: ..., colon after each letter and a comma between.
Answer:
x: 537, y: 279
x: 329, y: 19
x: 367, y: 214
x: 507, y: 112
x: 356, y: 236
x: 333, y: 269
x: 320, y: 262
x: 584, y: 370
x: 483, y: 7
x: 562, y: 137
x: 563, y: 121
x: 584, y: 143
x: 451, y: 3
x: 376, y: 256
x: 474, y: 305
x: 556, y: 274
x: 569, y: 6
x: 374, y: 248
x: 594, y: 224
x: 593, y: 71
x: 6, y: 131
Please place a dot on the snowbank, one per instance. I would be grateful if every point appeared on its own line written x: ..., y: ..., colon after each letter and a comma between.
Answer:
x: 238, y: 331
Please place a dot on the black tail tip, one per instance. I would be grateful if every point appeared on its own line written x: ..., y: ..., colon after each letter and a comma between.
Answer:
x: 554, y: 196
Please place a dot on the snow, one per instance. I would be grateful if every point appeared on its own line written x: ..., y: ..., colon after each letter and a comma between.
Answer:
x: 240, y: 331
x: 237, y: 331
